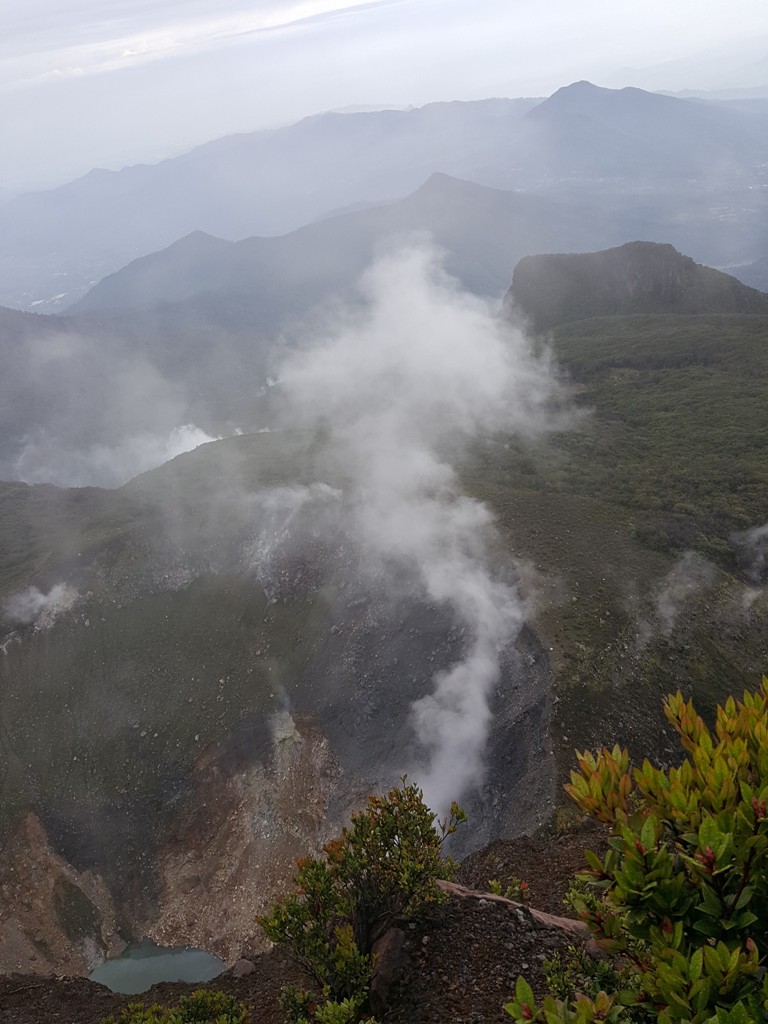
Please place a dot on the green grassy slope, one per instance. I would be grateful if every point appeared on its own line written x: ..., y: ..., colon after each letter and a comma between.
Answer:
x: 669, y: 457
x: 675, y: 425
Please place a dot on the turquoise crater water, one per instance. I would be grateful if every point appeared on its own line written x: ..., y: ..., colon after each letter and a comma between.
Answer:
x: 142, y: 966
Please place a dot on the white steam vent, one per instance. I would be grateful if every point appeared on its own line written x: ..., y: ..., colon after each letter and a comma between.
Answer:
x: 399, y: 387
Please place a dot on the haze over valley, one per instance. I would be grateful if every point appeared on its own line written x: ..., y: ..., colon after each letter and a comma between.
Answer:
x: 688, y: 171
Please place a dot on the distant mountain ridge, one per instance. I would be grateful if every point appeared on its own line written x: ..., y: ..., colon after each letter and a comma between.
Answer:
x: 482, y: 231
x: 262, y: 183
x: 638, y: 277
x: 754, y: 274
x: 583, y: 140
x: 686, y: 133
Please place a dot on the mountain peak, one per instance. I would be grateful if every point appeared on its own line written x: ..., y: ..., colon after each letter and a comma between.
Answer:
x: 638, y: 277
x: 586, y: 98
x: 439, y: 182
x: 200, y: 238
x: 582, y: 86
x: 582, y: 91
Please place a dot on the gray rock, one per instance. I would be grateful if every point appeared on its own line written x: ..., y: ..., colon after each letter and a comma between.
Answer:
x: 241, y: 968
x: 390, y: 958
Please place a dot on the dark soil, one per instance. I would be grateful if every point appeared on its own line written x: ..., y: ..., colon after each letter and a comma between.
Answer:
x: 459, y: 967
x: 546, y: 862
x: 463, y: 964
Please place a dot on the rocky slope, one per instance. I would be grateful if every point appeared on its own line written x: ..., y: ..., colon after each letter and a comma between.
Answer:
x: 224, y: 713
x: 54, y: 917
x: 459, y: 964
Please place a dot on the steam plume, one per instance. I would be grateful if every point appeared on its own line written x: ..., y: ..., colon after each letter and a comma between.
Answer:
x: 400, y: 386
x: 752, y: 552
x: 688, y: 575
x: 32, y: 605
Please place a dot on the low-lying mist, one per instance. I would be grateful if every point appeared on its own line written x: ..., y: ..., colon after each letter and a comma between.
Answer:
x: 751, y: 548
x: 80, y: 405
x: 46, y: 458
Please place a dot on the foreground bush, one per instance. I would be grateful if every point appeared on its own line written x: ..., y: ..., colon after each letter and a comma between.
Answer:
x: 204, y: 1006
x: 383, y: 868
x: 682, y: 895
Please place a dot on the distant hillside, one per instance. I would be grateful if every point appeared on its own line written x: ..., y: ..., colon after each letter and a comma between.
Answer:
x: 266, y: 183
x: 671, y: 450
x: 192, y: 334
x: 600, y: 130
x: 75, y: 394
x: 483, y: 232
x: 695, y: 165
x: 639, y: 277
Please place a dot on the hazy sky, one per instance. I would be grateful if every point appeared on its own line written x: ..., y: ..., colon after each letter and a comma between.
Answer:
x: 88, y: 83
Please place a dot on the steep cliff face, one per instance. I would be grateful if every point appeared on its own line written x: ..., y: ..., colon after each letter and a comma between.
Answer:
x: 227, y: 853
x: 52, y: 917
x: 234, y: 847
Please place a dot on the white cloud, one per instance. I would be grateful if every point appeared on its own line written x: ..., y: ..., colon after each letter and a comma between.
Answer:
x: 143, y: 35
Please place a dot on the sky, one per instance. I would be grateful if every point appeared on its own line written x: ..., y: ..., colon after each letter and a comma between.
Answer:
x: 104, y: 83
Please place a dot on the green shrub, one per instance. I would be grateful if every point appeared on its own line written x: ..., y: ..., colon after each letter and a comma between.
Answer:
x: 203, y: 1006
x: 383, y: 868
x: 683, y: 892
x: 581, y: 972
x: 515, y: 889
x: 302, y: 1007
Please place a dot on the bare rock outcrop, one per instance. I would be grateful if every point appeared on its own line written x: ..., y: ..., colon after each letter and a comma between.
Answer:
x: 234, y: 849
x: 52, y: 917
